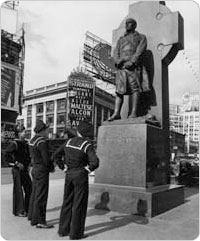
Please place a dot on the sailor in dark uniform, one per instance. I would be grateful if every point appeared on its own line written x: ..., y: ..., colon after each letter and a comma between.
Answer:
x: 80, y: 159
x: 42, y: 166
x: 17, y: 154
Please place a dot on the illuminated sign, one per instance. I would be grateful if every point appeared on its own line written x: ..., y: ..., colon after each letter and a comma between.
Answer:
x: 97, y: 58
x: 81, y: 89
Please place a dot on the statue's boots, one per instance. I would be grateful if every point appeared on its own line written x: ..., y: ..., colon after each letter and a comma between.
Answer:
x: 135, y: 100
x: 118, y: 105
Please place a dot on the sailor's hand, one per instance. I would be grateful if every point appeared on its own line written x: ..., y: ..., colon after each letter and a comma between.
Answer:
x: 87, y: 169
x: 128, y: 64
x: 65, y: 168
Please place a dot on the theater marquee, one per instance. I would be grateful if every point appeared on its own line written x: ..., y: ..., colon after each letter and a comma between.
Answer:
x: 81, y: 90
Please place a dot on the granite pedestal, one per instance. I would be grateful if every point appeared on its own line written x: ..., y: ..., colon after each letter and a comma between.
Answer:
x: 133, y: 176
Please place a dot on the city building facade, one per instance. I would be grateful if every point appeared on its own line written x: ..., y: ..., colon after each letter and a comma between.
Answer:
x: 185, y: 119
x: 12, y: 69
x: 49, y: 104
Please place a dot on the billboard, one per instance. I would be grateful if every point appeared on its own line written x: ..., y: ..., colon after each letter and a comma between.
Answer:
x: 10, y: 82
x: 97, y: 58
x: 81, y: 90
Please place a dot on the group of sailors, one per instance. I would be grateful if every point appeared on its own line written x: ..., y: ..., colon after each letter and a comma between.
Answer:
x: 30, y: 187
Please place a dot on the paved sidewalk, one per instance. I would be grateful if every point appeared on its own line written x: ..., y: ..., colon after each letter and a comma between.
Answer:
x: 181, y: 222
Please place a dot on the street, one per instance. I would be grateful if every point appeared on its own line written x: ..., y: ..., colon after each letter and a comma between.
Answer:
x: 181, y: 222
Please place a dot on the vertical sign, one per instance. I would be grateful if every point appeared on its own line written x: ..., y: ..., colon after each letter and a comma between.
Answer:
x: 10, y: 82
x: 81, y: 90
x: 8, y: 87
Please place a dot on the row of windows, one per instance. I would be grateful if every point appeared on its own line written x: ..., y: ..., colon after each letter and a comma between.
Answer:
x: 49, y: 119
x: 61, y: 117
x: 185, y: 118
x: 61, y: 105
x: 20, y: 122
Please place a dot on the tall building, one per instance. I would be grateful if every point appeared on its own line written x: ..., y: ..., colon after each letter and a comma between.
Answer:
x: 12, y: 69
x: 12, y: 72
x: 49, y: 104
x: 185, y: 119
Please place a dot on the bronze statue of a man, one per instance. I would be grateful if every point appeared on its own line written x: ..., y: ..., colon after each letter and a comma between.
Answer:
x: 130, y: 73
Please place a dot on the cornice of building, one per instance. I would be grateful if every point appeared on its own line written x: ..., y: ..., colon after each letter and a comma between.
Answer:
x: 61, y: 88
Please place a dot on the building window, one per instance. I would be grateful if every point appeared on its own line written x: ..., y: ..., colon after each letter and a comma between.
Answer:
x: 39, y: 108
x: 61, y: 119
x: 105, y: 114
x: 29, y: 110
x: 29, y: 122
x: 61, y: 104
x: 60, y: 132
x: 20, y: 122
x: 50, y: 106
x: 49, y: 120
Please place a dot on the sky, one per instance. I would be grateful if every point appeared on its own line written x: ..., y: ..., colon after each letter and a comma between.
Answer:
x: 55, y: 33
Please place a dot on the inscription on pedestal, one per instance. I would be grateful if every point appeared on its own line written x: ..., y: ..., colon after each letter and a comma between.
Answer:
x: 131, y: 155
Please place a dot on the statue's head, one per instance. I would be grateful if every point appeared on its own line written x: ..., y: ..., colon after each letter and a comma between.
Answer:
x: 131, y: 24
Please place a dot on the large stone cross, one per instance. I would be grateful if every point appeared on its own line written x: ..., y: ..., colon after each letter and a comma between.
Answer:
x: 164, y: 32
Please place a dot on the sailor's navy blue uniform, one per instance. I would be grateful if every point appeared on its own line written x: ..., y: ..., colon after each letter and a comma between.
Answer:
x: 18, y: 153
x: 42, y: 165
x: 80, y: 158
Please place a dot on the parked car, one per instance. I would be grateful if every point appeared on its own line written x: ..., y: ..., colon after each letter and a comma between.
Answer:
x: 189, y: 173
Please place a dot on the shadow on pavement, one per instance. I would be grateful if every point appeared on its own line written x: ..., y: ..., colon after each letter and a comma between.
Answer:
x: 116, y: 222
x: 54, y: 209
x: 90, y: 212
x: 93, y: 212
x: 53, y: 221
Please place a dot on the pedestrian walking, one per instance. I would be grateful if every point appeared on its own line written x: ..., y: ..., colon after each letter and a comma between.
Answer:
x: 17, y: 155
x: 42, y: 166
x: 81, y: 159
